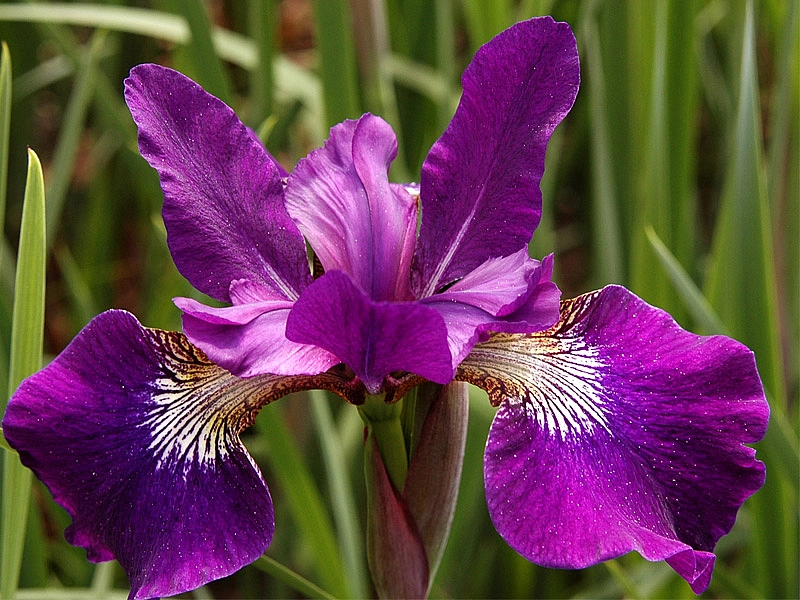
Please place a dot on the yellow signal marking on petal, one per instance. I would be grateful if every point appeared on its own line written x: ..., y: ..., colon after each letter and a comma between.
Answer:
x: 553, y: 375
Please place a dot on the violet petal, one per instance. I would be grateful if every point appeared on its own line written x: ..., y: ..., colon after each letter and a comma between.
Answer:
x: 223, y: 194
x: 512, y: 295
x: 374, y: 339
x: 249, y: 339
x: 352, y: 217
x: 619, y: 431
x: 136, y: 435
x: 479, y: 186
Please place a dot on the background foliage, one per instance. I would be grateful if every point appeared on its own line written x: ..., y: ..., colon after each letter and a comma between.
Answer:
x: 676, y: 174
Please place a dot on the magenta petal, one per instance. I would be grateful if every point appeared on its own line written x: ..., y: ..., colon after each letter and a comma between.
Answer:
x: 374, y: 339
x: 512, y: 295
x: 619, y: 431
x: 480, y: 182
x: 352, y: 217
x: 498, y: 286
x: 249, y: 339
x: 223, y: 194
x: 540, y: 308
x: 136, y: 435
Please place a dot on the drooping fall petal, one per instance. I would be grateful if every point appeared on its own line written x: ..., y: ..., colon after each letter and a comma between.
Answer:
x: 618, y: 431
x: 136, y: 435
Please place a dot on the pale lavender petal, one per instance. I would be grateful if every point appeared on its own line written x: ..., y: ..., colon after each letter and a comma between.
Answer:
x: 136, y: 435
x: 510, y: 295
x: 249, y: 339
x: 223, y: 193
x: 352, y: 217
x: 498, y: 286
x: 480, y: 182
x: 540, y: 308
x: 619, y: 431
x: 374, y: 339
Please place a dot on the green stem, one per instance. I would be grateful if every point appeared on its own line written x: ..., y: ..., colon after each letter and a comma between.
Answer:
x: 384, y: 422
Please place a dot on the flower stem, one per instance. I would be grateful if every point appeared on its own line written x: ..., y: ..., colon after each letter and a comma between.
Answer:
x: 384, y: 423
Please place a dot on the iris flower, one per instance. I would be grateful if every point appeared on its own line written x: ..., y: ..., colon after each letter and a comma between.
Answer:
x: 616, y: 430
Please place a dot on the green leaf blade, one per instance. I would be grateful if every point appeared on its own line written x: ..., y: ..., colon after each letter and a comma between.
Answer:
x: 26, y: 358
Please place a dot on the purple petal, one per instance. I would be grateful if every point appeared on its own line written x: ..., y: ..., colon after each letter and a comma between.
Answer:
x: 374, y: 339
x: 499, y: 286
x: 136, y: 435
x: 352, y: 217
x: 223, y: 194
x: 539, y: 310
x: 249, y: 339
x: 619, y: 431
x: 511, y: 295
x: 480, y: 182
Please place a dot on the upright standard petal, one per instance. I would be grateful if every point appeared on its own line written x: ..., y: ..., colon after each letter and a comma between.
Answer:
x: 136, y: 435
x: 353, y: 218
x: 223, y: 193
x: 374, y: 339
x: 480, y: 182
x: 619, y: 431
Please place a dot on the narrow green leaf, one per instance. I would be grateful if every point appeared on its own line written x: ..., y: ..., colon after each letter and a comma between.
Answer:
x: 666, y: 197
x: 3, y: 443
x: 741, y: 280
x: 741, y: 287
x: 209, y: 70
x: 485, y: 19
x: 373, y: 49
x: 692, y: 297
x: 262, y: 25
x: 5, y: 128
x: 66, y: 150
x: 607, y: 238
x: 784, y: 182
x: 348, y: 526
x: 26, y: 358
x: 622, y: 95
x: 337, y: 60
x: 314, y: 532
x: 291, y: 79
x: 294, y: 580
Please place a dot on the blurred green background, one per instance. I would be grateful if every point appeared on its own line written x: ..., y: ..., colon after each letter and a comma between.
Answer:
x: 676, y: 174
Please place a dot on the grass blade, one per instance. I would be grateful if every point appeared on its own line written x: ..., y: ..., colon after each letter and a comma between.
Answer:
x: 315, y: 532
x: 294, y: 580
x: 66, y: 151
x: 208, y: 69
x: 262, y: 23
x: 337, y: 61
x: 609, y: 266
x: 741, y: 281
x: 351, y: 539
x: 5, y: 128
x: 698, y: 307
x: 26, y: 357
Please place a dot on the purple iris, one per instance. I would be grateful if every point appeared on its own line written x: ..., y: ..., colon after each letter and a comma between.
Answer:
x: 616, y: 429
